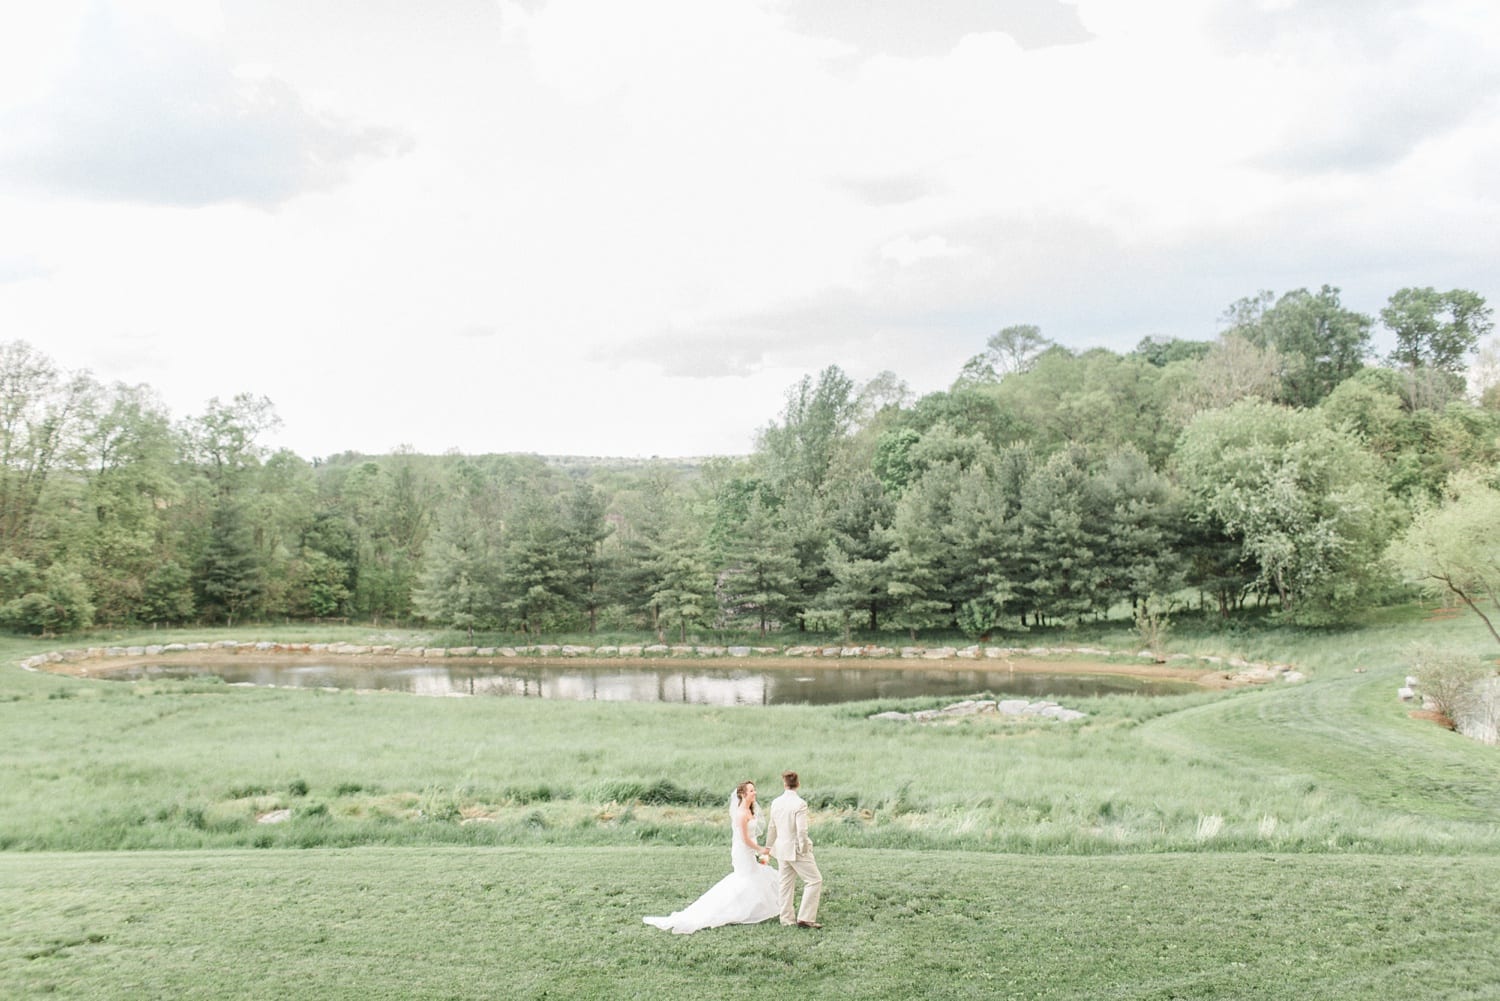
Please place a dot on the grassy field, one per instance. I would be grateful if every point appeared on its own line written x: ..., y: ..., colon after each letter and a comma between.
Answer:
x: 375, y: 923
x: 1307, y: 840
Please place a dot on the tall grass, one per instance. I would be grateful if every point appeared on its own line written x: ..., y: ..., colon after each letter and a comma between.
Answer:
x: 1334, y: 764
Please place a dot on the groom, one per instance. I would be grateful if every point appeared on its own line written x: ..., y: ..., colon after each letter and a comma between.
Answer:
x: 787, y: 836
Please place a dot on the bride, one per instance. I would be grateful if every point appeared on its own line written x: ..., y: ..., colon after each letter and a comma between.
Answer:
x: 749, y: 893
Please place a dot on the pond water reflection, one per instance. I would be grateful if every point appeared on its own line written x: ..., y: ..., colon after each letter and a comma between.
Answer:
x: 661, y: 682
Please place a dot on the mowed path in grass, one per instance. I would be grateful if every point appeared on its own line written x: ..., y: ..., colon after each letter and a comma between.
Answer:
x: 1350, y: 734
x: 375, y: 923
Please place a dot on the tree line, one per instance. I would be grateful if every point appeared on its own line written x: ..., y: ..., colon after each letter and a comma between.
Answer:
x: 1274, y: 464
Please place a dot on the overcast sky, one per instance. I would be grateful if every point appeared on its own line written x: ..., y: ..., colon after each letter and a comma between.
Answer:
x: 626, y: 228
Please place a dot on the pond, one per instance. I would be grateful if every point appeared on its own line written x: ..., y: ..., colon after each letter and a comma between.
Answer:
x: 660, y: 682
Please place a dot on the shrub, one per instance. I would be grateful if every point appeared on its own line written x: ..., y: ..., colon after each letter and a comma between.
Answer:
x: 54, y: 601
x: 1152, y: 624
x: 247, y: 792
x: 662, y: 792
x: 1449, y: 681
x: 523, y: 795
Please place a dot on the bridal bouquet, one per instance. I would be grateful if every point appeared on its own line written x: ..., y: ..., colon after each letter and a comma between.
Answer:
x: 763, y: 858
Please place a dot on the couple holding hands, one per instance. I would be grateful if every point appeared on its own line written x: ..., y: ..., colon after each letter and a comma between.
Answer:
x: 753, y: 891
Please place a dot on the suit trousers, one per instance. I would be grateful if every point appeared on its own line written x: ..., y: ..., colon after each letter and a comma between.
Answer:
x: 812, y: 889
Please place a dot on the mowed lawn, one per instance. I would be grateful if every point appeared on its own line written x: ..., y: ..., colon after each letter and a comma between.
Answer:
x: 374, y: 923
x: 1292, y: 841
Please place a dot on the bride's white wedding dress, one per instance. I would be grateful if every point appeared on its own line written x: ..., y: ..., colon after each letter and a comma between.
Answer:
x: 748, y: 895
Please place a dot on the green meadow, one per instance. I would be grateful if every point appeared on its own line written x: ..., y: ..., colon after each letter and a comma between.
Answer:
x: 1295, y: 840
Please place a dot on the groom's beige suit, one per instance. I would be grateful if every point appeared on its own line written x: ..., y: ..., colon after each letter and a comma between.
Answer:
x: 792, y: 848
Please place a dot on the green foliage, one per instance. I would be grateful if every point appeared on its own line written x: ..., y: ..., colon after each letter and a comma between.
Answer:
x: 1320, y: 342
x: 978, y: 618
x: 1449, y: 680
x: 1014, y: 349
x: 1153, y: 624
x: 47, y: 602
x: 229, y: 574
x: 1096, y: 399
x: 683, y: 586
x: 1420, y: 447
x: 817, y: 417
x: 1040, y: 484
x: 921, y: 555
x: 588, y: 567
x: 759, y: 582
x: 1304, y: 501
x: 1436, y: 330
x: 167, y: 596
x: 1162, y: 352
x: 41, y: 426
x: 460, y: 582
x: 1453, y: 549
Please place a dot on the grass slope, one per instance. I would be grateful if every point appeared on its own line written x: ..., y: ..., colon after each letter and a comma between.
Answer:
x: 565, y: 923
x: 1331, y: 764
x: 1295, y: 841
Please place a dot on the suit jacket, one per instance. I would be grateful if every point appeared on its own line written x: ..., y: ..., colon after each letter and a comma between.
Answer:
x: 787, y: 833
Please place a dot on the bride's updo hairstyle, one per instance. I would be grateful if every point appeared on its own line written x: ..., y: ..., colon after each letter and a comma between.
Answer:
x: 739, y: 793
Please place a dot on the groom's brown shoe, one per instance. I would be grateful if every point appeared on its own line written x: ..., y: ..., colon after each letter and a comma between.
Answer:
x: 808, y: 924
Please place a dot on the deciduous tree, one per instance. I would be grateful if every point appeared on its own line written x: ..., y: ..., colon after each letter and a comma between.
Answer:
x: 1453, y: 548
x: 1306, y: 502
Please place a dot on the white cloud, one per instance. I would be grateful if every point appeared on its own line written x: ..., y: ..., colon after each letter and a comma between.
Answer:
x: 146, y: 112
x: 628, y: 227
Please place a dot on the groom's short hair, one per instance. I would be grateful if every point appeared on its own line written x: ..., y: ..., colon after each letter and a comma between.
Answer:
x: 789, y: 779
